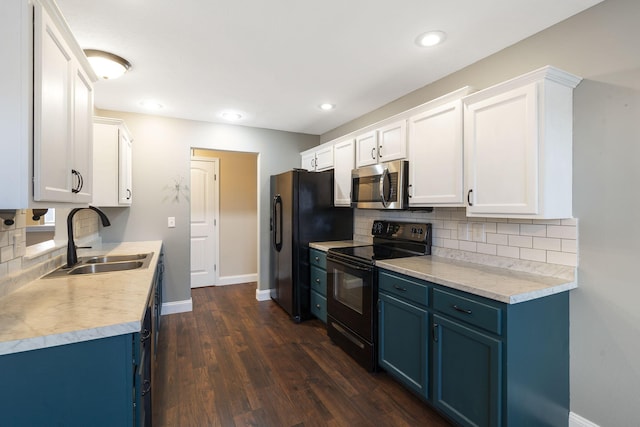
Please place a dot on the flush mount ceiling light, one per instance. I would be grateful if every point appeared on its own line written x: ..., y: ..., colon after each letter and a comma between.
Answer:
x: 231, y: 116
x: 107, y: 65
x: 326, y: 107
x: 430, y: 38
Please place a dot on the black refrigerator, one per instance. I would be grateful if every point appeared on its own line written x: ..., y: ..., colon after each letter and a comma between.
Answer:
x: 302, y: 211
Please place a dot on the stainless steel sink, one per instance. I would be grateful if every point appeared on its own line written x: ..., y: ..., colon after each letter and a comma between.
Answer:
x: 112, y: 258
x: 104, y: 264
x: 103, y: 268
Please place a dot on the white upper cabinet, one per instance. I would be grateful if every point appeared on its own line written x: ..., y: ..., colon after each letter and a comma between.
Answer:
x: 47, y: 105
x: 344, y: 162
x: 112, y: 166
x: 384, y: 144
x: 318, y: 158
x: 436, y: 156
x: 518, y: 147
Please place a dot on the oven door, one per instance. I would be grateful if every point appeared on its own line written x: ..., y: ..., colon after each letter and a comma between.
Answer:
x: 350, y: 295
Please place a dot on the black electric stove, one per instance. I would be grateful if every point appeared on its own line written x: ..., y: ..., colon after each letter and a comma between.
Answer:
x: 352, y: 288
x: 390, y: 240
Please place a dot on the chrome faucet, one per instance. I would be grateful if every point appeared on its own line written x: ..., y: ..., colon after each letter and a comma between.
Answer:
x: 72, y: 256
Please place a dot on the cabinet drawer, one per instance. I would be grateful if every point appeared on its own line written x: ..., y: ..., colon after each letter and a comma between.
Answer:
x: 318, y: 258
x: 319, y: 306
x: 319, y: 280
x: 403, y: 287
x: 469, y: 310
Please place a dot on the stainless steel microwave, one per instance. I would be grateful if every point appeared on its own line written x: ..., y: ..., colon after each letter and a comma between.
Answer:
x: 381, y: 186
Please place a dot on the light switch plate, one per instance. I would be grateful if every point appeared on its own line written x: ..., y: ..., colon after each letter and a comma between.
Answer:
x: 171, y: 222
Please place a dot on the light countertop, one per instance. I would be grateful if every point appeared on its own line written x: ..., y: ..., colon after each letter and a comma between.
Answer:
x: 496, y: 283
x: 62, y: 310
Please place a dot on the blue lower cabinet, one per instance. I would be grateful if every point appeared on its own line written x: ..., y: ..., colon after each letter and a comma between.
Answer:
x: 403, y: 342
x: 319, y: 306
x: 478, y: 361
x: 81, y: 384
x: 467, y: 374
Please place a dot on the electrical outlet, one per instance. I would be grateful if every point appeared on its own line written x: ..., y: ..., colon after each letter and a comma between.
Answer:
x: 171, y: 222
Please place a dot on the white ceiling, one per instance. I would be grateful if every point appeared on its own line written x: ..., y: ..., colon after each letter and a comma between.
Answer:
x: 275, y: 61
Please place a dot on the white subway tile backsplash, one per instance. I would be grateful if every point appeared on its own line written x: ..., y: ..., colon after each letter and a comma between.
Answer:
x: 570, y: 246
x: 537, y: 230
x: 546, y: 244
x: 521, y: 241
x: 6, y: 254
x: 468, y: 246
x: 562, y: 232
x: 533, y: 254
x: 487, y: 249
x: 498, y: 239
x: 562, y: 258
x: 506, y: 228
x: 508, y: 251
x: 530, y: 241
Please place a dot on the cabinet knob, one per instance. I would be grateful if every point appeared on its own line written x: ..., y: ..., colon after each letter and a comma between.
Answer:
x: 318, y: 306
x: 317, y: 280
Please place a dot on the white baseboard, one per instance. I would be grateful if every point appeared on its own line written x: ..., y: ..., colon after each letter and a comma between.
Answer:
x: 576, y: 420
x: 174, y: 307
x: 263, y: 294
x: 235, y: 280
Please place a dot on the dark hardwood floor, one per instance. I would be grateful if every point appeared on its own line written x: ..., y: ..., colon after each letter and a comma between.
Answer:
x: 235, y: 361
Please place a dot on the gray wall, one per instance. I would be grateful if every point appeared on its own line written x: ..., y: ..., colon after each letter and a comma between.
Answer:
x: 161, y: 158
x: 602, y: 45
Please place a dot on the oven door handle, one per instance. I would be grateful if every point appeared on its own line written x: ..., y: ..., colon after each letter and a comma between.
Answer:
x: 348, y: 265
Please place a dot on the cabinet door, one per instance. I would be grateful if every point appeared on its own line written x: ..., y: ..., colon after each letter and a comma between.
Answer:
x: 435, y: 157
x: 344, y: 162
x: 501, y: 145
x: 324, y: 158
x: 308, y: 160
x: 52, y: 137
x: 467, y: 374
x: 392, y: 142
x: 125, y: 151
x: 367, y: 149
x: 83, y: 135
x: 403, y: 340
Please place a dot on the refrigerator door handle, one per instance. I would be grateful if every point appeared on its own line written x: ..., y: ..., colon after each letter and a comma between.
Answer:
x: 277, y: 223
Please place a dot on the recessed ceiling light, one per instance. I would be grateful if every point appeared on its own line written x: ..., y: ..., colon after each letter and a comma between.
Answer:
x: 231, y: 116
x: 151, y: 105
x: 327, y: 107
x: 430, y: 38
x: 107, y: 65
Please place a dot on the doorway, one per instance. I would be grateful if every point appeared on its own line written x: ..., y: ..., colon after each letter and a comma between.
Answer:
x: 205, y: 196
x: 237, y: 216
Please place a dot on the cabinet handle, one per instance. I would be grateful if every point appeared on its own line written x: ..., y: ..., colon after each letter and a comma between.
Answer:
x: 128, y: 194
x: 76, y: 184
x: 380, y: 151
x: 461, y: 310
x: 147, y: 387
x: 400, y: 288
x: 469, y: 197
x: 373, y: 153
x: 145, y: 335
x: 410, y: 190
x: 81, y: 182
x: 434, y: 332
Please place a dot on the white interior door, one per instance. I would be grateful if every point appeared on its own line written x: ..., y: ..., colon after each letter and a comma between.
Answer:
x: 204, y: 221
